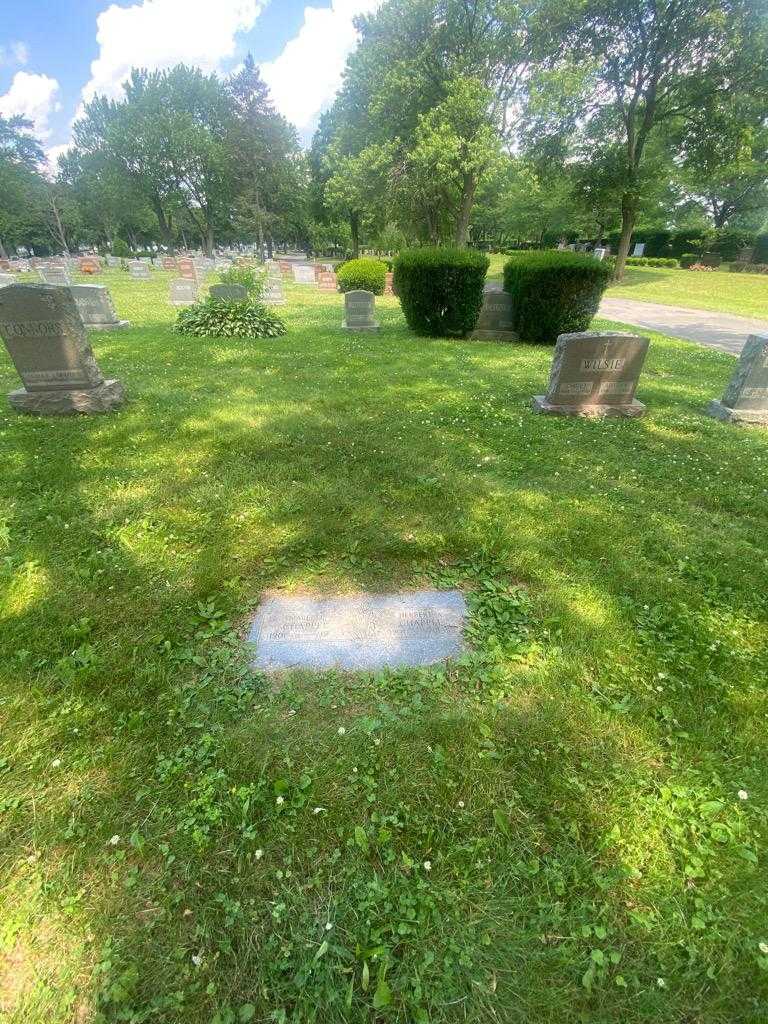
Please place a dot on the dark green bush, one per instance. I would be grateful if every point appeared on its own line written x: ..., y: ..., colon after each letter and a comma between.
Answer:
x: 688, y: 259
x: 651, y: 261
x: 365, y: 273
x: 249, y: 278
x: 440, y: 289
x: 220, y: 318
x: 554, y: 293
x: 121, y: 249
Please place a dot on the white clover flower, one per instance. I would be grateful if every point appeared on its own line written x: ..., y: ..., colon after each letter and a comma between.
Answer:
x: 280, y: 801
x: 341, y: 730
x: 259, y: 854
x: 328, y: 926
x: 427, y: 865
x: 743, y: 794
x: 56, y: 763
x: 318, y: 810
x: 661, y: 983
x: 113, y: 841
x: 377, y: 742
x: 763, y: 947
x: 196, y: 959
x: 461, y: 803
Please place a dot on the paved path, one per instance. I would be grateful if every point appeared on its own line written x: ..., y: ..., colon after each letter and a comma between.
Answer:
x: 724, y: 331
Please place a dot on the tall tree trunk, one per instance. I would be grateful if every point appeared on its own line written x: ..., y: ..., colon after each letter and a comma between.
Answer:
x: 354, y: 224
x: 465, y: 212
x: 628, y: 215
x: 57, y: 220
x: 209, y: 240
x: 164, y: 223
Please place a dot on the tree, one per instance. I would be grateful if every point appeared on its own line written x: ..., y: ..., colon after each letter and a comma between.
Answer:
x: 20, y: 178
x: 643, y: 64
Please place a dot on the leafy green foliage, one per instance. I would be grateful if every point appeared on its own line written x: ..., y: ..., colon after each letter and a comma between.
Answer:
x: 553, y: 293
x: 365, y: 273
x: 688, y: 259
x: 121, y: 249
x: 440, y: 289
x: 651, y: 261
x: 220, y: 318
x: 250, y: 278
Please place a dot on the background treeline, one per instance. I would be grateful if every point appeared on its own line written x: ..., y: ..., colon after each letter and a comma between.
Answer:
x: 483, y: 122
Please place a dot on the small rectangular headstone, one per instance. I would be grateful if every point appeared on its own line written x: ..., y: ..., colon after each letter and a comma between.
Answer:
x: 229, y: 292
x: 54, y: 275
x: 599, y: 253
x: 47, y: 342
x: 639, y: 249
x: 360, y: 632
x: 495, y: 320
x: 186, y: 268
x: 303, y: 274
x: 183, y: 292
x: 90, y: 265
x: 746, y: 397
x: 273, y: 292
x: 595, y: 374
x: 138, y: 271
x: 95, y: 306
x: 359, y: 308
x: 169, y: 263
x: 745, y: 255
x: 326, y: 281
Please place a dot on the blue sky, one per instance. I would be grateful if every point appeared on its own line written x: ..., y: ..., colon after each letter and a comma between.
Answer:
x: 56, y: 54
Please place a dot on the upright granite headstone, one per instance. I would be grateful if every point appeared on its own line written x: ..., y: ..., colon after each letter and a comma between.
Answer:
x: 303, y: 274
x: 358, y: 311
x: 746, y: 397
x: 273, y: 292
x: 639, y: 249
x: 54, y: 275
x: 229, y: 292
x: 495, y: 321
x: 326, y: 281
x: 358, y: 632
x: 169, y: 263
x: 595, y: 375
x: 186, y: 268
x: 90, y: 265
x: 138, y: 271
x: 47, y: 342
x: 183, y: 292
x: 599, y: 253
x: 95, y: 306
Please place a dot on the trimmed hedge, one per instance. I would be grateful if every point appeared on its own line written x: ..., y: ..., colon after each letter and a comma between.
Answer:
x: 440, y: 289
x: 748, y: 268
x: 554, y: 293
x: 651, y: 261
x: 365, y: 273
x: 688, y: 259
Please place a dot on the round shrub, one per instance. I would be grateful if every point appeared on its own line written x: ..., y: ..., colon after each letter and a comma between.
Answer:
x: 554, y: 293
x: 249, y: 278
x: 221, y: 318
x: 365, y: 273
x: 440, y: 289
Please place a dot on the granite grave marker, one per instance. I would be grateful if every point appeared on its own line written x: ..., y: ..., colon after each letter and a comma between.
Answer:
x: 359, y: 632
x: 303, y: 274
x: 495, y: 320
x: 746, y: 397
x: 95, y: 306
x: 47, y: 342
x: 183, y: 292
x: 229, y: 292
x: 595, y: 374
x: 273, y: 292
x: 138, y: 271
x: 358, y: 311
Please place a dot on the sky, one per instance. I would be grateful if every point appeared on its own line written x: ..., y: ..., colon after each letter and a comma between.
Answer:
x: 56, y: 55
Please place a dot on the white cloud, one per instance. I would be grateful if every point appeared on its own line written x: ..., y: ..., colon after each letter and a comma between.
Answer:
x: 307, y: 74
x: 52, y: 155
x: 33, y: 96
x: 14, y: 54
x: 157, y: 34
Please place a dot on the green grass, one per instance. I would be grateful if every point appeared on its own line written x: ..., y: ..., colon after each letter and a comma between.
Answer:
x: 744, y: 294
x: 547, y: 831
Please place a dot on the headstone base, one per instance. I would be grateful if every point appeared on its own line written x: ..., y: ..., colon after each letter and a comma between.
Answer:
x: 633, y: 410
x: 758, y: 417
x: 118, y: 325
x: 494, y: 336
x: 370, y: 327
x: 104, y: 397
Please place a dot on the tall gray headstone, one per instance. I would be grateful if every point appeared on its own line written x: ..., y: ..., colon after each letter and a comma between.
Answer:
x: 47, y: 342
x: 746, y: 397
x: 639, y: 249
x: 229, y: 292
x: 595, y: 375
x: 495, y: 320
x: 183, y: 292
x: 95, y: 306
x: 358, y: 311
x: 358, y: 632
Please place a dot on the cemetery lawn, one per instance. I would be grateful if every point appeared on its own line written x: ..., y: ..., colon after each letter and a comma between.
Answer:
x: 569, y: 824
x: 719, y: 290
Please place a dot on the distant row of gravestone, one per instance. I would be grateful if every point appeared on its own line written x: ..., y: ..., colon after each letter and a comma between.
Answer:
x: 593, y: 374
